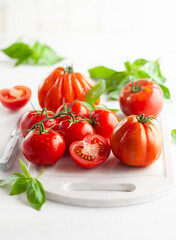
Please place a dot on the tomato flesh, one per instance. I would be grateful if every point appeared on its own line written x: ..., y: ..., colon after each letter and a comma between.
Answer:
x: 91, y: 152
x: 15, y: 98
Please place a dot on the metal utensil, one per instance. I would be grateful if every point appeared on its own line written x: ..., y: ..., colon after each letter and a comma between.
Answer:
x: 11, y: 149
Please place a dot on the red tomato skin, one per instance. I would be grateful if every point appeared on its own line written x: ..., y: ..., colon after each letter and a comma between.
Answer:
x: 106, y: 122
x: 60, y: 84
x: 88, y: 140
x: 134, y: 143
x: 43, y: 149
x: 77, y: 108
x: 15, y: 103
x: 30, y: 118
x: 76, y: 132
x: 149, y: 100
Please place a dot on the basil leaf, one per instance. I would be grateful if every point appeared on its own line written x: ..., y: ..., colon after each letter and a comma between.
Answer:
x: 103, y: 106
x: 35, y: 194
x: 24, y: 168
x: 140, y: 74
x: 19, y: 186
x: 128, y: 66
x: 115, y: 94
x: 116, y: 80
x: 36, y: 54
x: 95, y: 92
x: 87, y: 105
x: 155, y: 72
x: 101, y: 72
x: 10, y: 179
x: 173, y: 134
x: 139, y: 63
x: 165, y: 90
x: 18, y: 50
x: 113, y: 110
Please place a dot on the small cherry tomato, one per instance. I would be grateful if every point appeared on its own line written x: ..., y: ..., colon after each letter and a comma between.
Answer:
x: 15, y: 98
x: 75, y: 131
x: 77, y: 108
x: 105, y: 121
x: 32, y: 117
x: 43, y: 149
x: 137, y: 141
x: 142, y: 96
x: 91, y: 152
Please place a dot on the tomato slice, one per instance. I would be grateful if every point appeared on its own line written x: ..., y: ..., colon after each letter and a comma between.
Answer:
x: 91, y: 152
x: 16, y: 97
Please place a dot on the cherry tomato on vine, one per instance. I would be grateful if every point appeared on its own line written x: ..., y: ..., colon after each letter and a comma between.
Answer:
x: 105, y: 120
x: 76, y: 131
x: 32, y: 117
x: 77, y: 108
x: 15, y: 98
x: 43, y: 149
x: 63, y: 83
x: 142, y: 96
x: 137, y: 141
x: 91, y: 151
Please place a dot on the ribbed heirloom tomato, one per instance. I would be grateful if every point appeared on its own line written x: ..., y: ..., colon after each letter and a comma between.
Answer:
x: 142, y: 96
x: 63, y: 83
x: 137, y: 141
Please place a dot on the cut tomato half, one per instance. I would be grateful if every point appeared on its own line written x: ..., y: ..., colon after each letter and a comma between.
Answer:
x: 91, y: 152
x: 16, y: 97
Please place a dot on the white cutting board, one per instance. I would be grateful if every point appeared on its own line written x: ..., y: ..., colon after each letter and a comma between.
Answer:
x: 110, y: 184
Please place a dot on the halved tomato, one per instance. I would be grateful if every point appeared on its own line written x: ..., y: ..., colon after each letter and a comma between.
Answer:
x: 15, y: 98
x: 91, y: 152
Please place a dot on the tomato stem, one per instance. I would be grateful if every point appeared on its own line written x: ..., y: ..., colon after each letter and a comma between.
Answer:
x: 68, y: 69
x: 135, y: 87
x: 147, y: 120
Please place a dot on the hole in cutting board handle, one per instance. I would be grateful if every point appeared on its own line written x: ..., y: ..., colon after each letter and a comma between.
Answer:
x: 119, y: 187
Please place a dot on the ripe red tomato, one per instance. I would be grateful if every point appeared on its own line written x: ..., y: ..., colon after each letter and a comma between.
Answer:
x: 91, y: 152
x: 43, y: 149
x: 144, y: 96
x: 136, y: 141
x: 106, y: 122
x: 63, y: 83
x: 77, y: 108
x: 76, y: 132
x: 15, y: 98
x: 32, y: 117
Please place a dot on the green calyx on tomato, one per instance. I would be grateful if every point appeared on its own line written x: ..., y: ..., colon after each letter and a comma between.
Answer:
x: 135, y: 87
x: 68, y: 69
x: 146, y: 120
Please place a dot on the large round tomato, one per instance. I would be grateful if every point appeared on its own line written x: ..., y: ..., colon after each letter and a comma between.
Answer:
x: 91, y: 152
x: 142, y: 96
x: 32, y: 117
x: 105, y: 121
x: 75, y: 131
x: 136, y: 141
x: 43, y: 149
x: 63, y: 83
x: 15, y: 98
x: 77, y: 108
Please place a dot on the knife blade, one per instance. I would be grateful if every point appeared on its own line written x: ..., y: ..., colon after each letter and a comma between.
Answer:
x: 11, y: 149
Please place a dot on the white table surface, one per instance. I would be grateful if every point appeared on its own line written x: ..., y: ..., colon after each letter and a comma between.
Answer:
x: 152, y: 220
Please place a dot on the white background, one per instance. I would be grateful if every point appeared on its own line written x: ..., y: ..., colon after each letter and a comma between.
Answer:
x: 88, y: 33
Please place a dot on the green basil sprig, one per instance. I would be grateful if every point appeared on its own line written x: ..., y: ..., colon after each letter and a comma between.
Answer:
x: 35, y: 54
x: 24, y: 182
x: 140, y: 68
x: 93, y: 95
